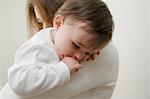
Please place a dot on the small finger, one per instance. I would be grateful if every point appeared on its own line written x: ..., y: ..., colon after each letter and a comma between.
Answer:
x: 98, y: 53
x: 87, y: 59
x: 79, y: 66
x: 92, y: 57
x: 76, y: 70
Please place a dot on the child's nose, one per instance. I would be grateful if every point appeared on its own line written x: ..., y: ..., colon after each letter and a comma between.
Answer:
x: 79, y: 56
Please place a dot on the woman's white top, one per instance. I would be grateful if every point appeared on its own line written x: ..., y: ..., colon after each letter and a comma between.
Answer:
x: 37, y: 73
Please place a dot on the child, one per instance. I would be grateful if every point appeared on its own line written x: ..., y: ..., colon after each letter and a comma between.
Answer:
x: 80, y: 28
x: 40, y: 15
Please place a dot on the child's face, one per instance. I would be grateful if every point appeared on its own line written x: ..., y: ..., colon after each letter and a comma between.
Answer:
x: 72, y: 40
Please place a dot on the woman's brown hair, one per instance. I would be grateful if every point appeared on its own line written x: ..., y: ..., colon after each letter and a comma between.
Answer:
x: 46, y: 8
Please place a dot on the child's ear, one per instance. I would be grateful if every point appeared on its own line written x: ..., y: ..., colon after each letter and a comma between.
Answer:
x: 58, y: 21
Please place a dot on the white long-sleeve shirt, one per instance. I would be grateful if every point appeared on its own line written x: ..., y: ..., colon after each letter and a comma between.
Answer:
x: 37, y: 67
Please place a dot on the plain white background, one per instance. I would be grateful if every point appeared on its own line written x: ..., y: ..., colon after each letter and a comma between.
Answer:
x: 131, y: 37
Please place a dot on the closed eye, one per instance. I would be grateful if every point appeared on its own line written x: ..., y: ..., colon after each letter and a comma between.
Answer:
x: 75, y: 46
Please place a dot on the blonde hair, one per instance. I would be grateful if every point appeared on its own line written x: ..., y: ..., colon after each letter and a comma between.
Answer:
x: 46, y: 8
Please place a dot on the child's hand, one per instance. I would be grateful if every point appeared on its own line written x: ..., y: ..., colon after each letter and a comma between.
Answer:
x: 92, y: 56
x: 72, y: 64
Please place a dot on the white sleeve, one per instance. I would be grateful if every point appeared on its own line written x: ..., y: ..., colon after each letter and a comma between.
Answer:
x: 32, y: 74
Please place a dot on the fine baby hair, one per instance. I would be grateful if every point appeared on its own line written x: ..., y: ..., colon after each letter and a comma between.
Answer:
x: 93, y: 12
